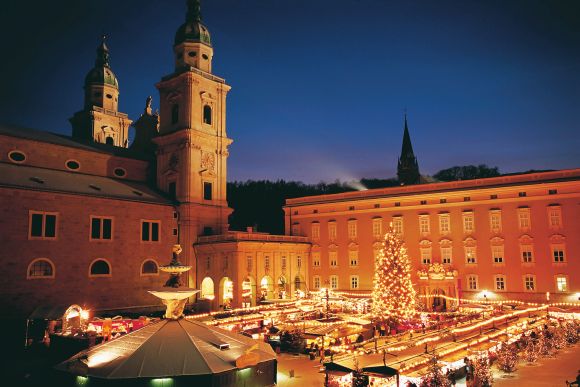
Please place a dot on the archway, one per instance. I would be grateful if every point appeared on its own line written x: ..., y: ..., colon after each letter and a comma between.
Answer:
x: 299, y: 286
x: 226, y: 292
x: 282, y: 287
x: 439, y: 301
x: 207, y: 289
x: 248, y: 292
x: 266, y: 288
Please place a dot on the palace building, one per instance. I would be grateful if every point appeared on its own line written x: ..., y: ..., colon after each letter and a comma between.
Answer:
x: 87, y: 219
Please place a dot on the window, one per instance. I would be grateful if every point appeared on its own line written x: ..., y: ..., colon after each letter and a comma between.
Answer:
x: 558, y: 254
x: 316, y: 282
x: 522, y: 194
x: 17, y: 156
x: 172, y: 190
x: 332, y: 231
x: 472, y: 282
x: 397, y: 204
x: 466, y: 199
x: 497, y: 254
x: 468, y: 222
x: 529, y: 283
x: 470, y: 256
x: 315, y: 211
x: 174, y: 114
x: 283, y: 262
x: 446, y: 255
x: 149, y: 267
x: 377, y: 228
x: 354, y: 281
x: 561, y: 283
x: 555, y: 216
x: 207, y: 114
x: 424, y: 224
x: 499, y: 282
x: 315, y: 259
x: 398, y: 225
x: 207, y: 190
x: 352, y: 229
x: 73, y: 165
x: 120, y: 172
x: 442, y: 201
x: 101, y: 228
x: 444, y: 224
x: 332, y: 257
x: 524, y: 218
x: 351, y: 208
x: 249, y: 263
x: 315, y: 230
x: 493, y: 196
x: 334, y: 282
x: 267, y: 262
x: 423, y: 202
x: 353, y: 257
x: 495, y: 221
x: 100, y: 268
x: 42, y: 225
x: 299, y: 262
x: 40, y: 268
x: 426, y: 256
x: 552, y: 191
x: 295, y: 229
x: 377, y: 205
x: 150, y: 230
x: 527, y: 256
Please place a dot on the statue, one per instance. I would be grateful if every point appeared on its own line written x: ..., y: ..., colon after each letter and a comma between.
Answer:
x: 148, y: 105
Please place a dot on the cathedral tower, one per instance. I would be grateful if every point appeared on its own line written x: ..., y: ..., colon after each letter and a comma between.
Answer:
x: 407, y: 167
x: 100, y: 120
x: 192, y: 145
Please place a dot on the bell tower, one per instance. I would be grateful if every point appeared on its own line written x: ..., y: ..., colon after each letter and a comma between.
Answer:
x: 192, y: 145
x: 100, y: 120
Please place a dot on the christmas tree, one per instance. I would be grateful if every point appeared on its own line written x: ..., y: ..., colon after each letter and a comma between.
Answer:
x: 393, y: 293
x: 531, y: 352
x: 507, y: 357
x: 483, y: 375
x: 435, y: 376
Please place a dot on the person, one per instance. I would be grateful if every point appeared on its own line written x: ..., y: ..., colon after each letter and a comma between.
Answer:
x: 576, y: 382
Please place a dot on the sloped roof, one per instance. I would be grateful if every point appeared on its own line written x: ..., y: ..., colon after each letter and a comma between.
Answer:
x: 41, y: 179
x: 167, y: 348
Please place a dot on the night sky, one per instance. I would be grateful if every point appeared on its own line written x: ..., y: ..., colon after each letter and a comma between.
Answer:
x: 320, y: 86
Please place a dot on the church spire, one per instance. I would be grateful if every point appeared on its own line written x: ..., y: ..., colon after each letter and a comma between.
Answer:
x: 407, y: 167
x: 102, y: 54
x: 193, y: 11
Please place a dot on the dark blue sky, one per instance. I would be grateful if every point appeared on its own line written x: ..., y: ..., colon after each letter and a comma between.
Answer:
x: 319, y: 86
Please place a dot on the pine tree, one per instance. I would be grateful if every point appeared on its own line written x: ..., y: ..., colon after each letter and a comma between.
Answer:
x: 435, y: 376
x: 507, y: 357
x: 393, y: 293
x: 482, y: 371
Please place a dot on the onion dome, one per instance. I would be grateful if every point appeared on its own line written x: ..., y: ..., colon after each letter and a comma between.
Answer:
x: 102, y: 74
x: 193, y: 30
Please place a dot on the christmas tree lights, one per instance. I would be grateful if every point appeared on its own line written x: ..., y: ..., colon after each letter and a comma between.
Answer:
x: 507, y: 357
x: 393, y: 293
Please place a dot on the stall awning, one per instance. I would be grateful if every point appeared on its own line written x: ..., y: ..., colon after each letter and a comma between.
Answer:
x: 49, y: 312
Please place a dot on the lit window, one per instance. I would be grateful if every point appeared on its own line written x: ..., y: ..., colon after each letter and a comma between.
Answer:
x: 101, y: 228
x: 468, y: 222
x: 100, y: 268
x: 332, y: 231
x: 499, y: 282
x: 332, y: 256
x: 524, y: 219
x: 352, y: 229
x: 446, y: 255
x: 426, y: 256
x: 316, y: 259
x: 398, y: 225
x: 495, y: 221
x: 315, y: 231
x: 150, y: 230
x: 424, y: 224
x: 470, y: 256
x: 530, y: 283
x: 149, y: 267
x: 497, y: 254
x: 42, y: 225
x: 316, y: 282
x: 377, y: 228
x: 444, y: 224
x: 472, y: 282
x: 40, y: 268
x: 354, y: 281
x: 555, y: 216
x: 562, y: 283
x: 334, y: 282
x: 353, y: 257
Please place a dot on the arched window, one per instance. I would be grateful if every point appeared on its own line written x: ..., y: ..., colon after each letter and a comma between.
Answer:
x: 40, y: 268
x: 149, y: 267
x: 100, y: 267
x: 207, y: 289
x: 207, y: 114
x: 174, y: 113
x: 110, y: 141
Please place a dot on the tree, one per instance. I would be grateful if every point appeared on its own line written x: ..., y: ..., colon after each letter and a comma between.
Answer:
x: 507, y: 357
x: 393, y: 293
x: 482, y: 371
x: 434, y: 376
x: 466, y: 172
x: 531, y: 352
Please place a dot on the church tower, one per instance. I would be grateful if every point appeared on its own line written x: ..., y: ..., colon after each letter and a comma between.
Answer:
x: 192, y: 145
x: 100, y: 120
x: 407, y: 167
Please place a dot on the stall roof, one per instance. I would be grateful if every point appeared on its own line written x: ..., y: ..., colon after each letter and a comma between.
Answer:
x: 49, y: 312
x: 347, y: 365
x: 164, y: 349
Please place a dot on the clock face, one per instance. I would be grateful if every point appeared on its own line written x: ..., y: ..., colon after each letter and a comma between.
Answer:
x: 208, y: 161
